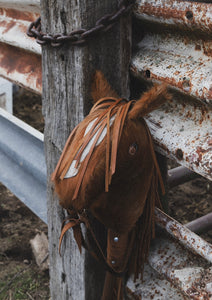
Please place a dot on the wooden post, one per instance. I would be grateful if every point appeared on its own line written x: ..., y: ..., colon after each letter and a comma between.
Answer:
x: 67, y: 74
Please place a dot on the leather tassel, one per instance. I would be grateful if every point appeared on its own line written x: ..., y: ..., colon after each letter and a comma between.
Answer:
x: 113, y: 287
x: 119, y: 247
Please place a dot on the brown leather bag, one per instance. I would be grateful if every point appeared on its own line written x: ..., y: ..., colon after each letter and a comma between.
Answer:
x: 108, y: 167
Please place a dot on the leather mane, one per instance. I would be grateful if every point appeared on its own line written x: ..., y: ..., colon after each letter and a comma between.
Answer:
x: 105, y: 108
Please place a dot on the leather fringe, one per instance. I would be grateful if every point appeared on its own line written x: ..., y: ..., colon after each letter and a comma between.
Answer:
x: 144, y: 231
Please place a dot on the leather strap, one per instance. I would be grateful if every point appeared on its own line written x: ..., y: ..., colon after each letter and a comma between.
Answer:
x: 74, y: 223
x: 55, y: 173
x: 155, y: 159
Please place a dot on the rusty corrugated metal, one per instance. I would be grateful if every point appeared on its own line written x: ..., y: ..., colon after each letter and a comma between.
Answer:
x: 182, y: 130
x: 186, y: 237
x: 176, y: 47
x: 188, y: 272
x: 20, y: 56
x: 183, y: 63
x: 22, y: 5
x: 193, y: 15
x: 153, y: 286
x: 21, y: 67
x: 189, y: 275
x: 182, y: 58
x: 13, y: 26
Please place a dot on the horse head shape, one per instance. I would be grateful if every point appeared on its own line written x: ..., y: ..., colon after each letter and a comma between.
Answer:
x: 108, y: 166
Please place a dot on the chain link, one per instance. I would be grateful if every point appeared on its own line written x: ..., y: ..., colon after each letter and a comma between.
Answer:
x: 79, y: 37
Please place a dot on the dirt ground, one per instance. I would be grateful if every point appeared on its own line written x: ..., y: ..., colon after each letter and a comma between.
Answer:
x: 20, y: 278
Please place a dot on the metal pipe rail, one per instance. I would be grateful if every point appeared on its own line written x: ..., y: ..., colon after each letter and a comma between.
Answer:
x: 180, y: 175
x: 202, y: 224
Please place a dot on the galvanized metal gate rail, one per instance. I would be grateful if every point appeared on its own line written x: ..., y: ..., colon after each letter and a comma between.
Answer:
x: 175, y: 46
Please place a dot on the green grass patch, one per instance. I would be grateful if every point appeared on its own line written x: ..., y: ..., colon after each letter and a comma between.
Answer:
x: 25, y: 285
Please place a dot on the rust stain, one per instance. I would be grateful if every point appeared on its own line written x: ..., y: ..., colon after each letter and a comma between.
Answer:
x: 198, y: 47
x: 18, y: 15
x: 207, y: 50
x: 159, y: 11
x: 200, y: 152
x: 184, y: 84
x: 8, y: 26
x: 186, y: 237
x: 39, y: 82
x: 3, y: 23
x: 13, y: 60
x: 190, y: 15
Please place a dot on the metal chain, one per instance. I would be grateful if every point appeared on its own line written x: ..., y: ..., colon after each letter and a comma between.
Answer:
x: 80, y: 36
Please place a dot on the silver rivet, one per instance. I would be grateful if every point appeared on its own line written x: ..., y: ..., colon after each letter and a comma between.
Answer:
x: 113, y: 262
x: 116, y: 239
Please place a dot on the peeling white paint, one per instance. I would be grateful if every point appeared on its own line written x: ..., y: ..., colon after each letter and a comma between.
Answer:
x: 184, y: 132
x: 23, y: 5
x: 178, y: 61
x: 13, y: 32
x: 193, y: 15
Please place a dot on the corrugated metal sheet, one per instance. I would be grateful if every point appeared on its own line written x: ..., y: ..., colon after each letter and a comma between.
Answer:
x: 183, y: 63
x: 22, y: 5
x: 13, y: 26
x: 178, y: 51
x: 21, y: 67
x: 187, y: 238
x: 194, y: 15
x: 189, y: 275
x: 182, y: 130
x: 176, y: 47
x: 20, y: 56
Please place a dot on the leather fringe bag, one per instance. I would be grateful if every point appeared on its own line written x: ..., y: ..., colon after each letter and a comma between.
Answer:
x: 108, y: 167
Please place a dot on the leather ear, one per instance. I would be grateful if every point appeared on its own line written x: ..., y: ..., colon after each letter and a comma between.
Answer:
x: 100, y: 88
x: 150, y: 101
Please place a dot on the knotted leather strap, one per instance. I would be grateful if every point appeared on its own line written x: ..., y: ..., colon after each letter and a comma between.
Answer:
x: 73, y: 221
x: 68, y: 223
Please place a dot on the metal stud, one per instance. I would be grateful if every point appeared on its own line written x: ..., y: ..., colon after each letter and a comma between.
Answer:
x: 113, y: 262
x: 116, y: 239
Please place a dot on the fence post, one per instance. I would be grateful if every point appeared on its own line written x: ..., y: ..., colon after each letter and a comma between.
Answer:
x: 67, y: 74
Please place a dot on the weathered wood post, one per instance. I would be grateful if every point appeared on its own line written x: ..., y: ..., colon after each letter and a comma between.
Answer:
x: 67, y: 74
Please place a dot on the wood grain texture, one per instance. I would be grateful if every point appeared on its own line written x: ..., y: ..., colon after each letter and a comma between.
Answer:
x: 67, y: 76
